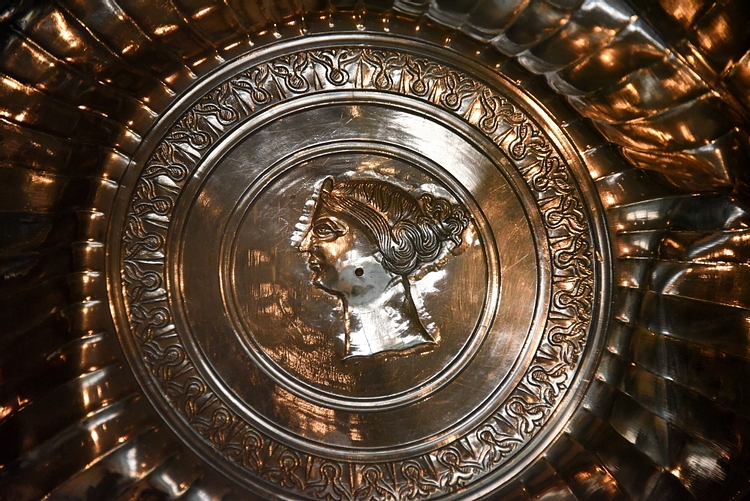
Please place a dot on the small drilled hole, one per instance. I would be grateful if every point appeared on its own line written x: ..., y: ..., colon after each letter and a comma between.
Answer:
x: 359, y: 272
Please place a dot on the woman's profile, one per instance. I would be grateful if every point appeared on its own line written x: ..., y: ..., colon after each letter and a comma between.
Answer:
x: 364, y: 240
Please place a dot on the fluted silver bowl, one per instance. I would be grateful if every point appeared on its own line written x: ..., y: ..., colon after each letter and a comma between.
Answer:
x: 655, y: 94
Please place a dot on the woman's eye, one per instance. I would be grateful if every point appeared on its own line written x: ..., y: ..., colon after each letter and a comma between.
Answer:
x: 323, y: 230
x: 326, y: 230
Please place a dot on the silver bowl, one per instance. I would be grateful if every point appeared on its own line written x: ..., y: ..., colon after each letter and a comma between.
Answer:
x: 174, y: 327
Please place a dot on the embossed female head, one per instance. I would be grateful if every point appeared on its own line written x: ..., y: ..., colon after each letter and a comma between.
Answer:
x: 367, y: 236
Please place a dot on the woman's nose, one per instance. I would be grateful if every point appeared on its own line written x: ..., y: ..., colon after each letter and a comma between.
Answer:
x: 306, y: 244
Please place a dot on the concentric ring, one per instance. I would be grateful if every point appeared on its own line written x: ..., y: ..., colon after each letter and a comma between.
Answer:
x: 232, y: 391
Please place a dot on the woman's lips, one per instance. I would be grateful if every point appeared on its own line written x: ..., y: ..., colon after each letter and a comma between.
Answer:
x: 313, y: 263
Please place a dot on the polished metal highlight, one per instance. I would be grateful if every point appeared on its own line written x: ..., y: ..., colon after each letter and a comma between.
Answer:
x: 207, y: 290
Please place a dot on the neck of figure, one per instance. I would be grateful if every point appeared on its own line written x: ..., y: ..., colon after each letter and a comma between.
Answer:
x: 389, y: 322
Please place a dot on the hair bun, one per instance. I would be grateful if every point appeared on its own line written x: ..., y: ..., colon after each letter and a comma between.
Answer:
x: 450, y: 219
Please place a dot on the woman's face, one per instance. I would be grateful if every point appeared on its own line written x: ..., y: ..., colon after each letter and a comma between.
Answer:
x: 340, y: 253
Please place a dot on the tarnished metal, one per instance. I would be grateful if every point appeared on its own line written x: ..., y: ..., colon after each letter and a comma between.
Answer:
x: 381, y: 251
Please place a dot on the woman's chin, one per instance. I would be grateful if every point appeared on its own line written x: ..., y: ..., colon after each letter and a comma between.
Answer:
x: 324, y: 285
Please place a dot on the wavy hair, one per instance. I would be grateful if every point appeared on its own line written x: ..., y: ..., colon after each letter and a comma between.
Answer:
x: 409, y: 232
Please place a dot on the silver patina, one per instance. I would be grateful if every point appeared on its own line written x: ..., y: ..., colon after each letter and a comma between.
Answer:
x: 383, y: 250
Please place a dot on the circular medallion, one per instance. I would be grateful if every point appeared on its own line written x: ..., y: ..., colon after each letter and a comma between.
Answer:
x: 353, y: 270
x: 351, y: 312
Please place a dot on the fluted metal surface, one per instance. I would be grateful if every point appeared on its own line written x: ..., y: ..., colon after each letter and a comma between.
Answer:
x: 664, y: 85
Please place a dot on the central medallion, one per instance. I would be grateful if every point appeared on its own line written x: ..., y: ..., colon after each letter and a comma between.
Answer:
x: 347, y: 268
